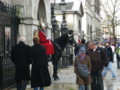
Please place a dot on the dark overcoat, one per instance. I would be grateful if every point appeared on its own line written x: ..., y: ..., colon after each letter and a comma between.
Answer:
x: 20, y: 56
x: 40, y: 75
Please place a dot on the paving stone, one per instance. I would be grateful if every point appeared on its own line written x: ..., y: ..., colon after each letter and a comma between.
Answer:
x: 68, y: 80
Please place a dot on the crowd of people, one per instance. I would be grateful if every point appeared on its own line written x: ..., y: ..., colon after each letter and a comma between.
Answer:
x: 91, y: 64
x: 98, y: 57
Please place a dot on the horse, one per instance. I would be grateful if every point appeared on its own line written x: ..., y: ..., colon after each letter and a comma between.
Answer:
x: 59, y: 45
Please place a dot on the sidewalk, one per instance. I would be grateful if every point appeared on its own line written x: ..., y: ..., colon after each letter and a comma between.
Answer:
x: 68, y: 80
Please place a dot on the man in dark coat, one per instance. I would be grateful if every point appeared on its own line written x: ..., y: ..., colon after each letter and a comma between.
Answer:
x: 98, y: 59
x: 108, y: 65
x: 20, y: 56
x: 40, y: 75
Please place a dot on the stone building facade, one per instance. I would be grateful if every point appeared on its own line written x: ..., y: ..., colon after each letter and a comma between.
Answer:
x: 30, y: 13
x: 74, y: 13
x: 87, y: 25
x: 91, y: 19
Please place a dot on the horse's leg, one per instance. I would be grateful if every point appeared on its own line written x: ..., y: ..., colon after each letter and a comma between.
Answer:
x: 55, y: 68
x: 49, y: 58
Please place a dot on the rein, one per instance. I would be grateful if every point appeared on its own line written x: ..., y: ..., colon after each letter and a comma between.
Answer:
x: 58, y: 46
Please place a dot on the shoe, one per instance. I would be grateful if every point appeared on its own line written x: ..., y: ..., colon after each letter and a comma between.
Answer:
x: 113, y: 78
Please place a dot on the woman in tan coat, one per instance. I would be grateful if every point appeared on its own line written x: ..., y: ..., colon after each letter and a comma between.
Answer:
x: 84, y: 59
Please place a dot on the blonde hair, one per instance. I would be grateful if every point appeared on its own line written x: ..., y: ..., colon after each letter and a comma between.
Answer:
x: 36, y: 33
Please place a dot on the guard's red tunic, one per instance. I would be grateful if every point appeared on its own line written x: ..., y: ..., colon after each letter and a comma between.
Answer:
x: 47, y: 43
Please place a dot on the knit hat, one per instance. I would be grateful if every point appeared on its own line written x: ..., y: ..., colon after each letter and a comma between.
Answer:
x: 82, y: 50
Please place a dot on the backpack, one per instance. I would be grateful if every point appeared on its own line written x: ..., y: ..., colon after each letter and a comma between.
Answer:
x: 107, y: 55
x: 82, y: 69
x: 107, y: 52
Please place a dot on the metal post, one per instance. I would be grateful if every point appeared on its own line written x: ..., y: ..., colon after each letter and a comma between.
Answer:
x: 53, y: 21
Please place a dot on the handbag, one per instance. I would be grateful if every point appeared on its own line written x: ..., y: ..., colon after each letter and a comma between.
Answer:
x: 82, y: 69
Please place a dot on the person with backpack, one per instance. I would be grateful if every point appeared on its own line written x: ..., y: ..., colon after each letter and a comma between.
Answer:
x: 98, y: 58
x: 108, y: 65
x: 82, y: 69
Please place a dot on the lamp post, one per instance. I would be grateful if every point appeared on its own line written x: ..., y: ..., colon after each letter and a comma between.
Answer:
x: 63, y: 9
x: 53, y: 20
x: 66, y: 55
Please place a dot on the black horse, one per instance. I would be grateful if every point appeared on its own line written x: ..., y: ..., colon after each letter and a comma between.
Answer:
x: 59, y: 45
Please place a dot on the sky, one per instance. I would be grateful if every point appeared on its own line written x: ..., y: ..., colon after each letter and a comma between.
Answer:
x: 108, y: 6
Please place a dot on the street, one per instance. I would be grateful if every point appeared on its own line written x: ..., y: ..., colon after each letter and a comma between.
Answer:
x: 68, y: 80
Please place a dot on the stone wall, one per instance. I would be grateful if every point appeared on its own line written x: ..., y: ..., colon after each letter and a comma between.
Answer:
x: 27, y: 10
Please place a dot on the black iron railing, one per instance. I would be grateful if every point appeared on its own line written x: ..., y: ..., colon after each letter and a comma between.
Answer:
x: 11, y: 20
x: 7, y: 9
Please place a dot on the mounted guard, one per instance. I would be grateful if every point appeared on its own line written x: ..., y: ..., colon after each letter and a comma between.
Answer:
x: 44, y: 40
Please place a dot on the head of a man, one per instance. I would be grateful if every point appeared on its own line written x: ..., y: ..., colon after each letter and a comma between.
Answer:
x: 93, y: 44
x: 83, y: 41
x: 35, y: 40
x: 107, y: 44
x: 43, y: 26
x: 22, y: 39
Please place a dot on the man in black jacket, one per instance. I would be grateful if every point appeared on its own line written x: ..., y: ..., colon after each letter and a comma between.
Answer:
x: 108, y: 65
x: 98, y: 58
x: 21, y: 58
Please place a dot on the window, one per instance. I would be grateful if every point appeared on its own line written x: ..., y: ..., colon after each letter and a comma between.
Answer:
x: 7, y: 41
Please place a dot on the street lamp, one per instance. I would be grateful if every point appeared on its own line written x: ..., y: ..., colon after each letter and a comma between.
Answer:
x: 66, y: 55
x: 53, y: 20
x: 63, y: 9
x: 63, y: 5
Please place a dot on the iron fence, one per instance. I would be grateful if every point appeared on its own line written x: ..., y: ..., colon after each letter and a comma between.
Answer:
x: 8, y: 21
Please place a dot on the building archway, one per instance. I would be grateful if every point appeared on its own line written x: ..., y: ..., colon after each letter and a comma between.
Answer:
x: 42, y: 11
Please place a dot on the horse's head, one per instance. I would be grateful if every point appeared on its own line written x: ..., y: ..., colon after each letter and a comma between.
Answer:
x: 66, y: 38
x: 71, y: 37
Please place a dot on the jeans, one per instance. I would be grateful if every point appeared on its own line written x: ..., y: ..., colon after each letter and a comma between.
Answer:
x: 83, y: 87
x: 38, y: 88
x: 109, y: 67
x: 22, y: 85
x: 97, y: 81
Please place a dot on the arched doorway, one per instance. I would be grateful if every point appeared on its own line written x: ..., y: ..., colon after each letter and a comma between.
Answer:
x: 42, y: 11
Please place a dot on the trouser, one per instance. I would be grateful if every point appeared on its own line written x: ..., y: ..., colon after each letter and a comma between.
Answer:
x: 41, y: 88
x: 97, y: 81
x: 109, y: 67
x: 22, y: 85
x: 83, y: 87
x: 118, y: 63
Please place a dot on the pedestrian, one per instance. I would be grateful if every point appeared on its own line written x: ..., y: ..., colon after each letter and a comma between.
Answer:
x: 76, y: 50
x: 40, y: 77
x: 118, y: 56
x: 113, y: 49
x: 84, y: 59
x: 20, y: 55
x: 98, y: 58
x: 108, y: 65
